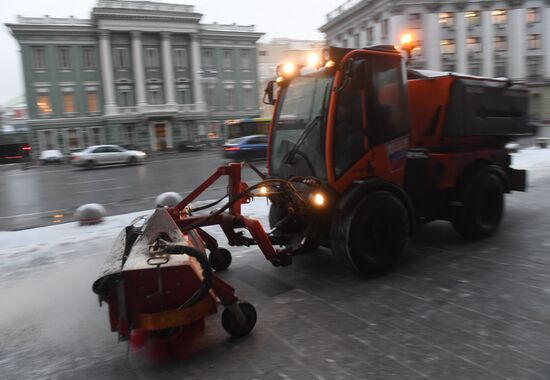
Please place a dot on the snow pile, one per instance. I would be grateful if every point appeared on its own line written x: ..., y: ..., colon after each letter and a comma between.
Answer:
x: 26, y: 250
x: 535, y: 160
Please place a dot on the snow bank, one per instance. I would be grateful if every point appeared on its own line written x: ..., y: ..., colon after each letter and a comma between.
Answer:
x: 22, y: 251
x: 25, y: 250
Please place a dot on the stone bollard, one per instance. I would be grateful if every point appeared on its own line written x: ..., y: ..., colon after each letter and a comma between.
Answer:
x: 542, y: 142
x: 512, y: 147
x: 168, y: 199
x: 90, y: 213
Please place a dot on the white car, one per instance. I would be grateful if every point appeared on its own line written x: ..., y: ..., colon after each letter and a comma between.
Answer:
x: 49, y: 156
x: 105, y: 155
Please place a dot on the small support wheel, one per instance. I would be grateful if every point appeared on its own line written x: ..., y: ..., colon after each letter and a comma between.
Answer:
x: 239, y: 325
x: 220, y: 259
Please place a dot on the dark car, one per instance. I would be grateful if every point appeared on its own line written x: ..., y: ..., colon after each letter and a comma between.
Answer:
x: 247, y: 147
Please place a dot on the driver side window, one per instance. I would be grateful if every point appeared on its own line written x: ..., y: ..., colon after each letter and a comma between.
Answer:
x: 349, y: 137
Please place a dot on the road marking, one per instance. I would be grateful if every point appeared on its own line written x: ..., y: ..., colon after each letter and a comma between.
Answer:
x: 93, y: 181
x: 34, y: 213
x: 105, y: 189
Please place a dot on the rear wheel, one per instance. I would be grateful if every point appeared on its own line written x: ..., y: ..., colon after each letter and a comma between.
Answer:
x: 90, y: 164
x: 220, y: 259
x: 371, y: 234
x: 482, y: 205
x: 239, y: 325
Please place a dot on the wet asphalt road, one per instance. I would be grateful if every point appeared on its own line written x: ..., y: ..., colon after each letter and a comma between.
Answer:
x: 50, y: 194
x: 451, y: 310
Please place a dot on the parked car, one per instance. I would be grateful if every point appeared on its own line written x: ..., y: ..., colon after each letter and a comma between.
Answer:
x: 247, y: 147
x: 51, y: 156
x: 190, y: 146
x: 105, y: 155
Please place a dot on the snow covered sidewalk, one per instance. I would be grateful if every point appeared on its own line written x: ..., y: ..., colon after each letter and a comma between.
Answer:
x: 21, y: 251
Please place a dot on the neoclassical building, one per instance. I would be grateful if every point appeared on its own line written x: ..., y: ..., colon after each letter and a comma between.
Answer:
x: 142, y: 73
x: 507, y: 38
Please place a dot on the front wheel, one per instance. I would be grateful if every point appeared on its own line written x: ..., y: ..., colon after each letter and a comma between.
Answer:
x: 481, y: 199
x: 371, y: 234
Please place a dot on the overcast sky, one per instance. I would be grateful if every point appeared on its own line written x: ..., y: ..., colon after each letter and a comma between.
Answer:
x: 298, y: 19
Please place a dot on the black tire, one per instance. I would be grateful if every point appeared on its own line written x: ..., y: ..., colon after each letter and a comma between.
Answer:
x: 232, y: 325
x: 220, y: 259
x: 482, y: 205
x: 90, y: 164
x: 132, y: 161
x: 371, y: 234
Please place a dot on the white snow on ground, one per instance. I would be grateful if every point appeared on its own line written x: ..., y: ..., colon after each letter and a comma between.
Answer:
x: 22, y: 251
x: 535, y: 160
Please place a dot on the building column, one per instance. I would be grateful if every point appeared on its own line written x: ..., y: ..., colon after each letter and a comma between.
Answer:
x: 168, y: 69
x: 396, y: 24
x: 517, y: 35
x: 139, y: 73
x: 461, y: 56
x: 432, y: 41
x: 487, y: 44
x: 546, y: 41
x: 107, y: 72
x: 195, y: 72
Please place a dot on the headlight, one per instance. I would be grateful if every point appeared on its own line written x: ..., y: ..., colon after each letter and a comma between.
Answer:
x: 318, y: 199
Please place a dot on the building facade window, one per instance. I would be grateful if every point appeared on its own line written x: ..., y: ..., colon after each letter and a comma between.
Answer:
x: 180, y: 58
x: 88, y: 58
x: 208, y: 56
x: 91, y: 102
x: 184, y: 96
x: 500, y: 43
x: 500, y: 70
x: 474, y: 44
x: 43, y: 104
x: 38, y: 58
x: 473, y: 19
x: 227, y: 59
x: 64, y: 58
x: 500, y: 16
x: 447, y: 19
x: 415, y: 20
x: 68, y: 102
x: 155, y: 96
x: 120, y: 57
x: 533, y: 15
x: 248, y: 98
x: 385, y: 29
x: 210, y: 97
x: 229, y: 98
x: 125, y: 96
x: 448, y: 46
x: 245, y: 60
x: 475, y: 70
x: 533, y: 69
x: 370, y: 35
x: 152, y: 58
x: 533, y: 41
x: 356, y: 40
x: 263, y: 53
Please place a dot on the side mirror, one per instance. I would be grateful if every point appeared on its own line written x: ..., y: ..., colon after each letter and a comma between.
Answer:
x: 269, y: 96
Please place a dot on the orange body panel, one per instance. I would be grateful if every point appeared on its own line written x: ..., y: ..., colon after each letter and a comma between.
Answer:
x: 426, y: 97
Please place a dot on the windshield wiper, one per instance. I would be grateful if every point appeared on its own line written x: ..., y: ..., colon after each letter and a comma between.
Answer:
x: 307, y: 130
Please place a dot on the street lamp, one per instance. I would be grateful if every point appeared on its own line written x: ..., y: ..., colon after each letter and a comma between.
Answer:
x: 408, y: 45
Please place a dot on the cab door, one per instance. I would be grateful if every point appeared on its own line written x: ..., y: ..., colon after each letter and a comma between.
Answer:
x: 369, y: 119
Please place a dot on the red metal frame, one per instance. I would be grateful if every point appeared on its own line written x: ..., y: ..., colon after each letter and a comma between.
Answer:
x: 228, y: 221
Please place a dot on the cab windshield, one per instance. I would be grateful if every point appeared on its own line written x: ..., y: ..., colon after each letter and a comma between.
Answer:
x: 298, y: 139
